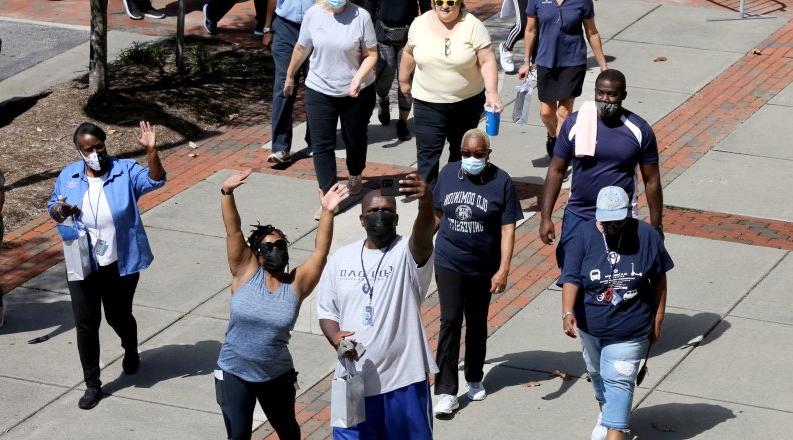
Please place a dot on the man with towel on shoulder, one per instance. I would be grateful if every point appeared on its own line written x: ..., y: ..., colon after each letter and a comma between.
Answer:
x: 605, y: 143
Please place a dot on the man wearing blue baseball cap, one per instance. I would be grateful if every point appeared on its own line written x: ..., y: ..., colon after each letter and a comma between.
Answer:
x: 614, y: 298
x: 605, y: 146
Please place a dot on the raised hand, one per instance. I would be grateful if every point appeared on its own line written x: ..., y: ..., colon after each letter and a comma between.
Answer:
x: 147, y: 138
x: 333, y: 198
x: 236, y: 180
x: 414, y: 187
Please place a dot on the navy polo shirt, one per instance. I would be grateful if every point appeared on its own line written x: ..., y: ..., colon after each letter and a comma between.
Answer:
x: 469, y: 238
x: 561, y: 38
x: 622, y: 143
x: 627, y: 274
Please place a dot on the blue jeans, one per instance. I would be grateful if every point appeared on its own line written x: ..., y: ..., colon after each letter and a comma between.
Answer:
x: 613, y: 367
x: 570, y: 222
x: 404, y: 413
x: 285, y: 35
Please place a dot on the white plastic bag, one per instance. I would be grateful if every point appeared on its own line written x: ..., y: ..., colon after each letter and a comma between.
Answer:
x: 347, y: 405
x: 520, y: 112
x: 76, y: 252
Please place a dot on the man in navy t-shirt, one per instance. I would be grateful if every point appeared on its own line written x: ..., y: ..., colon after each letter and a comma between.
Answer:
x: 623, y: 141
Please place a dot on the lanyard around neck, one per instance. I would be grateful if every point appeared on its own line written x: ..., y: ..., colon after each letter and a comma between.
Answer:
x: 368, y: 288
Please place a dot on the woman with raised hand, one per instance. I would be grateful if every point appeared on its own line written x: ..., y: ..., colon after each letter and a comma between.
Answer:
x: 254, y: 361
x: 101, y: 192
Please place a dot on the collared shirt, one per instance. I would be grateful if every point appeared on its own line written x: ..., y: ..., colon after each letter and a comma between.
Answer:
x: 126, y: 182
x: 293, y: 10
x: 561, y: 38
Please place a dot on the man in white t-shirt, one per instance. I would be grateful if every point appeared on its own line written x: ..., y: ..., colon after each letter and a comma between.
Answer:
x: 370, y: 293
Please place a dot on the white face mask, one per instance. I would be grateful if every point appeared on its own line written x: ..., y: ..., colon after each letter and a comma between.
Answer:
x: 472, y: 165
x: 92, y: 160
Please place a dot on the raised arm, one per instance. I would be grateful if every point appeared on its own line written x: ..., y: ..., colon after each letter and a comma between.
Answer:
x: 593, y: 36
x: 489, y: 70
x: 424, y: 226
x: 308, y: 273
x: 239, y: 254
x: 148, y: 139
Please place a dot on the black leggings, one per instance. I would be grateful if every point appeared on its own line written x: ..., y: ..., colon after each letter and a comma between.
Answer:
x: 516, y: 33
x: 237, y: 399
x: 461, y: 296
x: 103, y: 287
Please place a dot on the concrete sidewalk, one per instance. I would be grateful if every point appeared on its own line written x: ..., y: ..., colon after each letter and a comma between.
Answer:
x: 731, y: 294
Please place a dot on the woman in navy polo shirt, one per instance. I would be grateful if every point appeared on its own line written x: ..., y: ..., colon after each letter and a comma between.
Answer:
x: 102, y: 192
x: 476, y: 208
x: 561, y: 56
x: 614, y: 297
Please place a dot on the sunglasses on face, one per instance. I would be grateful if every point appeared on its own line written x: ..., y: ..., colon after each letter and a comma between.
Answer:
x: 449, y: 3
x: 266, y: 247
x: 476, y: 154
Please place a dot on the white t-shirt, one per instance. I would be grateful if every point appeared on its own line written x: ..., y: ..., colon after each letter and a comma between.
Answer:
x: 98, y: 220
x: 397, y: 351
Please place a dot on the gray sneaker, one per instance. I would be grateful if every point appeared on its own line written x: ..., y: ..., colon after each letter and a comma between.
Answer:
x: 279, y: 157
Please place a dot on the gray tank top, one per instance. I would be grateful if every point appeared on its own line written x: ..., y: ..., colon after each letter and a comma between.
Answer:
x: 256, y: 346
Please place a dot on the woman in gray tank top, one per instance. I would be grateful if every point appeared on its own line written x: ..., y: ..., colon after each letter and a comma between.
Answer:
x: 254, y: 361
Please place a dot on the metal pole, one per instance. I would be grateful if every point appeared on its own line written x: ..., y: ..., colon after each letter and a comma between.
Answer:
x: 180, y: 37
x: 742, y: 15
x: 741, y: 9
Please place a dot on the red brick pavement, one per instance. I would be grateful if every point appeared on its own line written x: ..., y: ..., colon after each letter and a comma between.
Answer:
x: 684, y: 136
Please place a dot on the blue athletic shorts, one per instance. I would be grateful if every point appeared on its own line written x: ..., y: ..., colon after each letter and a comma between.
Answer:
x: 405, y: 413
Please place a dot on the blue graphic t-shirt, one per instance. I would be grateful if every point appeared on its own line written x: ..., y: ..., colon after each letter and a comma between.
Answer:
x: 622, y: 144
x: 561, y: 38
x: 617, y: 298
x: 469, y: 239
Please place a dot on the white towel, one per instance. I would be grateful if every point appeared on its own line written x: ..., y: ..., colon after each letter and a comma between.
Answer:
x: 586, y: 129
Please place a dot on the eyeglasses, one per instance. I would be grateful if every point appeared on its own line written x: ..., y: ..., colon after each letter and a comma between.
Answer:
x: 267, y: 247
x: 449, y: 3
x: 476, y: 154
x: 447, y: 46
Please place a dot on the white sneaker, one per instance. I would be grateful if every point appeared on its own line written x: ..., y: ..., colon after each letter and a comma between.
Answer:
x: 599, y: 432
x: 446, y: 405
x: 279, y: 157
x: 476, y: 391
x: 505, y: 56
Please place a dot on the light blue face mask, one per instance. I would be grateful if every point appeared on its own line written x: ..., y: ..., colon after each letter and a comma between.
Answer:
x: 336, y: 4
x: 472, y: 165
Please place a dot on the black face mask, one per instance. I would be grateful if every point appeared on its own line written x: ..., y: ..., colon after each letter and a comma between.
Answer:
x: 276, y: 260
x: 380, y: 227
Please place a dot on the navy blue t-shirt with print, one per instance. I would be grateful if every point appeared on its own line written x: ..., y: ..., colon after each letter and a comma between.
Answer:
x: 622, y: 144
x: 469, y: 238
x: 617, y: 299
x: 561, y: 37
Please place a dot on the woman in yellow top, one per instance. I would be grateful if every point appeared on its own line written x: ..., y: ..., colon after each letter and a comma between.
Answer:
x: 455, y: 76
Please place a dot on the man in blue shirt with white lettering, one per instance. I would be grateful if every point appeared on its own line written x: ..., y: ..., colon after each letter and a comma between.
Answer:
x: 623, y: 141
x: 285, y: 17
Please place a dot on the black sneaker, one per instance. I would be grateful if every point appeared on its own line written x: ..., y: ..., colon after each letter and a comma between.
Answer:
x: 403, y: 134
x: 91, y: 397
x: 549, y: 144
x: 384, y: 112
x: 132, y: 10
x: 130, y: 363
x: 153, y: 13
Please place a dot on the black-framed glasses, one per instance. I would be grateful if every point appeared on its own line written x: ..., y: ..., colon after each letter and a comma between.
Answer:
x: 267, y: 247
x: 447, y: 46
x: 449, y: 3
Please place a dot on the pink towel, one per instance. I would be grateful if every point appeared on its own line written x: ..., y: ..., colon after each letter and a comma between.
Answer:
x: 586, y: 129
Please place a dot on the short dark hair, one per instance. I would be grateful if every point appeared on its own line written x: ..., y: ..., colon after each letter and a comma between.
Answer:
x: 614, y: 76
x: 259, y: 232
x: 89, y: 128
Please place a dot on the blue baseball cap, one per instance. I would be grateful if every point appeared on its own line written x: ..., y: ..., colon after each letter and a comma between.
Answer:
x: 612, y: 204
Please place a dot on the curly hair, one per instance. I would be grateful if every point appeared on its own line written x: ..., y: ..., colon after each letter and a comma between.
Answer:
x: 259, y: 232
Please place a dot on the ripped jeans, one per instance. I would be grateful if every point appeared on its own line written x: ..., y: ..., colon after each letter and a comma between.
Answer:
x: 613, y: 368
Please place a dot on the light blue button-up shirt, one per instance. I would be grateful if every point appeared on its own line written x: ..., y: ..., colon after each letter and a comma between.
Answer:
x: 293, y: 10
x: 126, y: 182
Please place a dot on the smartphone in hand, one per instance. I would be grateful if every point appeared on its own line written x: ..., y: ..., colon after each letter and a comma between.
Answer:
x: 390, y: 187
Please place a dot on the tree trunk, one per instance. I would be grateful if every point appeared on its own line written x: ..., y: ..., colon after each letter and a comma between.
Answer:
x: 97, y: 76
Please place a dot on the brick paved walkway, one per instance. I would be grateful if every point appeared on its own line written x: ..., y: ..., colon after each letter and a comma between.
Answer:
x: 684, y: 136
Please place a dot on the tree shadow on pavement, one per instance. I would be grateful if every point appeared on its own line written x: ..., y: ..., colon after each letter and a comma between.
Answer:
x: 169, y: 362
x: 677, y: 421
x: 11, y: 108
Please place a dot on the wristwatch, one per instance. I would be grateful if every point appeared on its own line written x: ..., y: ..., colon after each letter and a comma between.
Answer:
x: 224, y: 192
x: 266, y: 30
x: 566, y: 314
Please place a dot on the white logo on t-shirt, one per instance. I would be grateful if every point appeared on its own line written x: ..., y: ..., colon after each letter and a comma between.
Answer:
x: 463, y: 212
